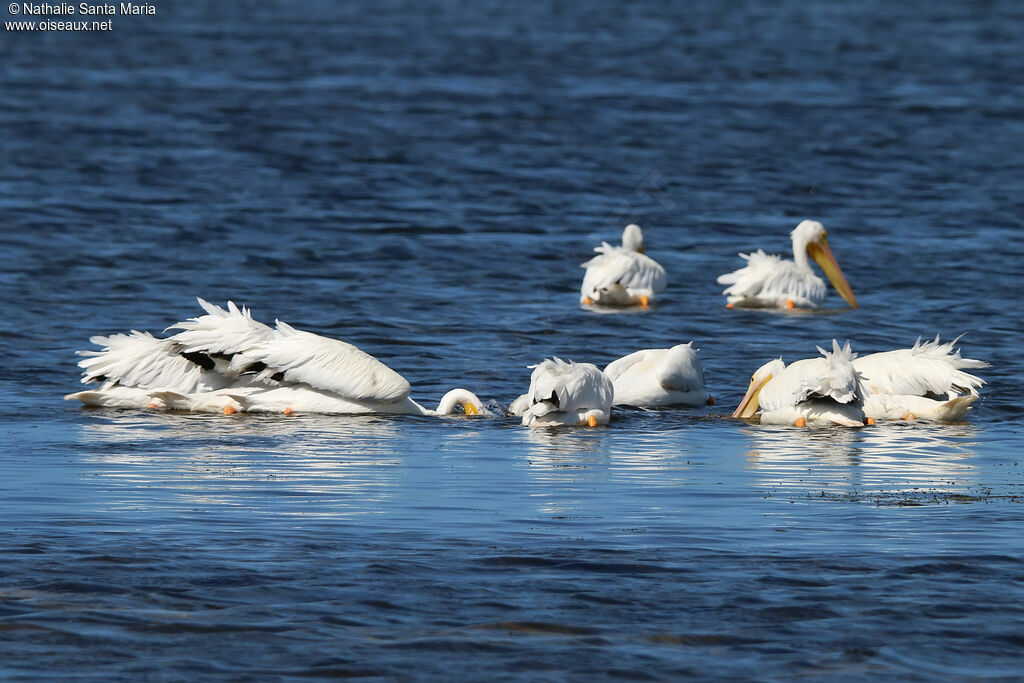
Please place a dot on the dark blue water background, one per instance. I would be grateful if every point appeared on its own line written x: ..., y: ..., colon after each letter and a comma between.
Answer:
x: 422, y: 179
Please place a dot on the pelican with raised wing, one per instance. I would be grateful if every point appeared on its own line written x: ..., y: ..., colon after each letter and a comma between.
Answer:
x: 563, y: 393
x: 225, y: 361
x: 622, y: 276
x: 808, y: 393
x: 659, y: 377
x: 926, y: 381
x: 768, y: 281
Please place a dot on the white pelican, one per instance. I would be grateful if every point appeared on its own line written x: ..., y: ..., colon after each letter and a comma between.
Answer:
x: 769, y: 282
x: 659, y: 377
x: 926, y: 381
x: 622, y: 276
x: 565, y: 394
x: 225, y: 361
x: 810, y: 392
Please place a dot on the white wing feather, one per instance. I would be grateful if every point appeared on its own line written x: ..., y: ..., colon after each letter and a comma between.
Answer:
x: 323, y: 363
x: 139, y: 359
x: 143, y: 361
x: 927, y: 368
x: 219, y: 331
x: 681, y: 369
x: 747, y: 281
x: 677, y: 369
x: 615, y: 265
x: 635, y: 363
x: 767, y: 276
x: 831, y: 376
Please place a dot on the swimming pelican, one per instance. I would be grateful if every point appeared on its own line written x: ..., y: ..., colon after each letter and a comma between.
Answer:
x: 225, y: 361
x: 622, y: 276
x: 769, y: 282
x: 659, y: 377
x: 565, y: 394
x: 810, y: 392
x: 925, y: 382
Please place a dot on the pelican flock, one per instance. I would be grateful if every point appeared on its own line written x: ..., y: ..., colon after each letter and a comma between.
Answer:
x: 768, y: 281
x: 226, y: 361
x: 622, y: 276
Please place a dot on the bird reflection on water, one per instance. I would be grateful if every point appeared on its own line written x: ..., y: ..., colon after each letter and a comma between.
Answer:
x: 626, y: 454
x: 891, y: 462
x: 208, y: 460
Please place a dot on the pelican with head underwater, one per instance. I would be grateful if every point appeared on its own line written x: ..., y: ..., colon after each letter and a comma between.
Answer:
x: 768, y: 281
x: 565, y: 394
x: 226, y: 361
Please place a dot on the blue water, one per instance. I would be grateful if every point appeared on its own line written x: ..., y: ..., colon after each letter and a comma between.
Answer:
x: 422, y: 179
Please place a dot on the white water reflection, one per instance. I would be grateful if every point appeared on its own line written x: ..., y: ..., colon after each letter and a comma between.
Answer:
x: 303, y: 465
x: 626, y: 476
x: 890, y: 461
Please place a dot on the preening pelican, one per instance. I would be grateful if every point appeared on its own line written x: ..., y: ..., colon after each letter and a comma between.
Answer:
x: 769, y: 282
x: 622, y: 276
x: 925, y: 382
x: 810, y: 392
x: 565, y: 394
x: 659, y: 377
x: 225, y: 361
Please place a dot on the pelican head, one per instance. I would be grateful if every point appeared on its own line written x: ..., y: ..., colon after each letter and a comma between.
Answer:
x: 457, y: 399
x: 750, y: 405
x: 633, y: 238
x: 809, y: 237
